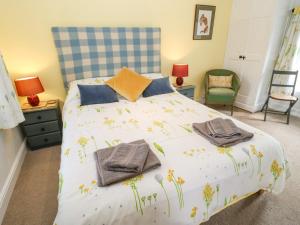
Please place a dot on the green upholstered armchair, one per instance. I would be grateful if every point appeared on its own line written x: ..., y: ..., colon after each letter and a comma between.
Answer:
x: 221, y: 96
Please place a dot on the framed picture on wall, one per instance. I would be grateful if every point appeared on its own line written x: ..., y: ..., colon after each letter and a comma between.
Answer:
x: 204, y: 22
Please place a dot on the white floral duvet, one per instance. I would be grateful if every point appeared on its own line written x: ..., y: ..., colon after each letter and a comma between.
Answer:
x: 196, y: 179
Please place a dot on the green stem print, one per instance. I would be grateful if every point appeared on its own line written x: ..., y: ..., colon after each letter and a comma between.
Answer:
x: 81, y: 152
x: 259, y: 156
x: 178, y: 185
x: 208, y: 194
x: 218, y: 189
x: 159, y: 148
x: 159, y: 179
x: 60, y: 182
x: 228, y: 151
x: 248, y: 154
x: 276, y: 171
x: 187, y: 127
x: 94, y: 141
x: 137, y: 198
x: 113, y: 142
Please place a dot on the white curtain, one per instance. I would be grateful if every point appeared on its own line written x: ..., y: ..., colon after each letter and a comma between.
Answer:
x: 289, y: 56
x: 10, y: 112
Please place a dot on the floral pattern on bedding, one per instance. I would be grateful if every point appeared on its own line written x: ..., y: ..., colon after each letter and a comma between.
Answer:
x: 196, y: 179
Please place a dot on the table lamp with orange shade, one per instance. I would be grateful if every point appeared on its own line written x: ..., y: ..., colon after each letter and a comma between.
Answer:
x: 29, y: 87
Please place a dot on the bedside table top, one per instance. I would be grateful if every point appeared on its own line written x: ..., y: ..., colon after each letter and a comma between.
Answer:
x: 184, y: 87
x: 50, y: 104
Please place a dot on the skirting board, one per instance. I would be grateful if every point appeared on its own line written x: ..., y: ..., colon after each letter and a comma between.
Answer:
x: 11, y: 180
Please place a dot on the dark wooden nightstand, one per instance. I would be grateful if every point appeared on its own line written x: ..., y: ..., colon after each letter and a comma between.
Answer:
x: 43, y: 125
x: 186, y: 90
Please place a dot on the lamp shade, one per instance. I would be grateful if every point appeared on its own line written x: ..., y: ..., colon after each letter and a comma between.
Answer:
x: 28, y: 86
x: 180, y: 70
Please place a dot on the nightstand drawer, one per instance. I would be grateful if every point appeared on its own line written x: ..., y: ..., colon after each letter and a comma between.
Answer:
x: 41, y: 128
x: 40, y: 116
x: 44, y: 140
x: 187, y: 92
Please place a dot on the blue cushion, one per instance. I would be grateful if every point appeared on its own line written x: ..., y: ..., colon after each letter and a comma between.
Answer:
x: 96, y: 94
x: 158, y: 87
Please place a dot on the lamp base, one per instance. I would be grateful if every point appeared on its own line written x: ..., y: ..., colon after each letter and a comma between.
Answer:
x: 179, y: 81
x: 33, y: 100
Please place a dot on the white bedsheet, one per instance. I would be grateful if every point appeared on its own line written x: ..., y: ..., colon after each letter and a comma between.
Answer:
x: 196, y: 178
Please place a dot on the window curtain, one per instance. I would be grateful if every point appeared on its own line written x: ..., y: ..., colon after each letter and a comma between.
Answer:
x: 10, y: 112
x: 289, y: 56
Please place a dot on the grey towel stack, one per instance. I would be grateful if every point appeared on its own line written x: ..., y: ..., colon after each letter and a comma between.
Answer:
x: 124, y: 161
x: 222, y: 132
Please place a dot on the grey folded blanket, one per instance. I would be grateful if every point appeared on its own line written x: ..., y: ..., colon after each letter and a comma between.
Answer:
x: 127, y: 158
x: 107, y: 177
x: 222, y: 128
x: 222, y: 133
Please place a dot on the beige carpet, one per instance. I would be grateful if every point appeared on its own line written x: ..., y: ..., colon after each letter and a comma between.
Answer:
x: 34, y: 199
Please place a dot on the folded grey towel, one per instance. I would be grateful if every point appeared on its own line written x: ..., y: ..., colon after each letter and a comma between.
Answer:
x: 107, y: 177
x: 202, y: 129
x: 222, y: 128
x: 127, y: 158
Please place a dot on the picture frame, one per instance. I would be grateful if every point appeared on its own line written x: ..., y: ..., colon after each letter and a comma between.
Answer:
x: 204, y: 22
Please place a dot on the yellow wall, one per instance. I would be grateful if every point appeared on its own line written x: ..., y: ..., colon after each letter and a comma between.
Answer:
x: 27, y: 45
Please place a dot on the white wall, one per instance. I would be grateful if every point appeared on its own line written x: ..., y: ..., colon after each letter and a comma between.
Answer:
x: 12, y: 152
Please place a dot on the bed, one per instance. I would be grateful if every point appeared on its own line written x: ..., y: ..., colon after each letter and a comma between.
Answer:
x: 196, y: 179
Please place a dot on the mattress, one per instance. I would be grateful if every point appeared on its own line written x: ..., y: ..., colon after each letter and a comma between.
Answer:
x: 196, y: 179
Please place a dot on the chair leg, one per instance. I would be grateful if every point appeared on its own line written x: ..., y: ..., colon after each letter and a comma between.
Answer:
x: 231, y: 110
x: 289, y: 113
x: 263, y: 106
x: 266, y: 110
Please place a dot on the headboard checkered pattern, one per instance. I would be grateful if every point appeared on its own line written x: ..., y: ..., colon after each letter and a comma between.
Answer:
x: 86, y: 52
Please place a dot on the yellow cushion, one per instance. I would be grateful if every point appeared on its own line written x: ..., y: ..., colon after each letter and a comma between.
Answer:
x: 220, y: 81
x: 129, y: 84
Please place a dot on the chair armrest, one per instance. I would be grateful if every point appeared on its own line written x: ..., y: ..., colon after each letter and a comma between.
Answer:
x: 236, y: 84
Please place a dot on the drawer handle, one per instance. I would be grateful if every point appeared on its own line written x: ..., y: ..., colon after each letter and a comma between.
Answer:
x: 46, y: 140
x: 43, y: 129
x: 39, y: 117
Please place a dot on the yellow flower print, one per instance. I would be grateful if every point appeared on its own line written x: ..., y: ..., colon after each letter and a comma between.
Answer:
x: 149, y: 129
x: 259, y: 156
x: 86, y: 190
x: 81, y: 186
x: 208, y: 194
x: 134, y: 122
x: 158, y: 123
x: 67, y: 152
x: 178, y: 185
x: 223, y: 150
x: 180, y: 181
x: 276, y: 169
x: 194, y: 212
x: 94, y: 182
x: 108, y: 122
x: 170, y: 175
x: 83, y: 141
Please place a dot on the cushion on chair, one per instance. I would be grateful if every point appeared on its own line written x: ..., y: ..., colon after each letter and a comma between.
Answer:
x: 221, y: 92
x: 220, y: 81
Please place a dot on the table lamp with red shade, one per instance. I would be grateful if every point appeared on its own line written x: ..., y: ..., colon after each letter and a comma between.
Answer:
x: 180, y: 71
x: 30, y: 87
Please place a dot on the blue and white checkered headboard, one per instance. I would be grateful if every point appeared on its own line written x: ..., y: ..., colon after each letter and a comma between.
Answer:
x: 86, y: 52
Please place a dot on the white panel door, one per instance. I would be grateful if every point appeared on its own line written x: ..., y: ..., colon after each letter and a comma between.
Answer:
x: 248, y: 36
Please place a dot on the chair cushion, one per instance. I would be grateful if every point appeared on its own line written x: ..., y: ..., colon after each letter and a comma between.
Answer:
x: 221, y: 91
x: 220, y: 81
x: 129, y: 84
